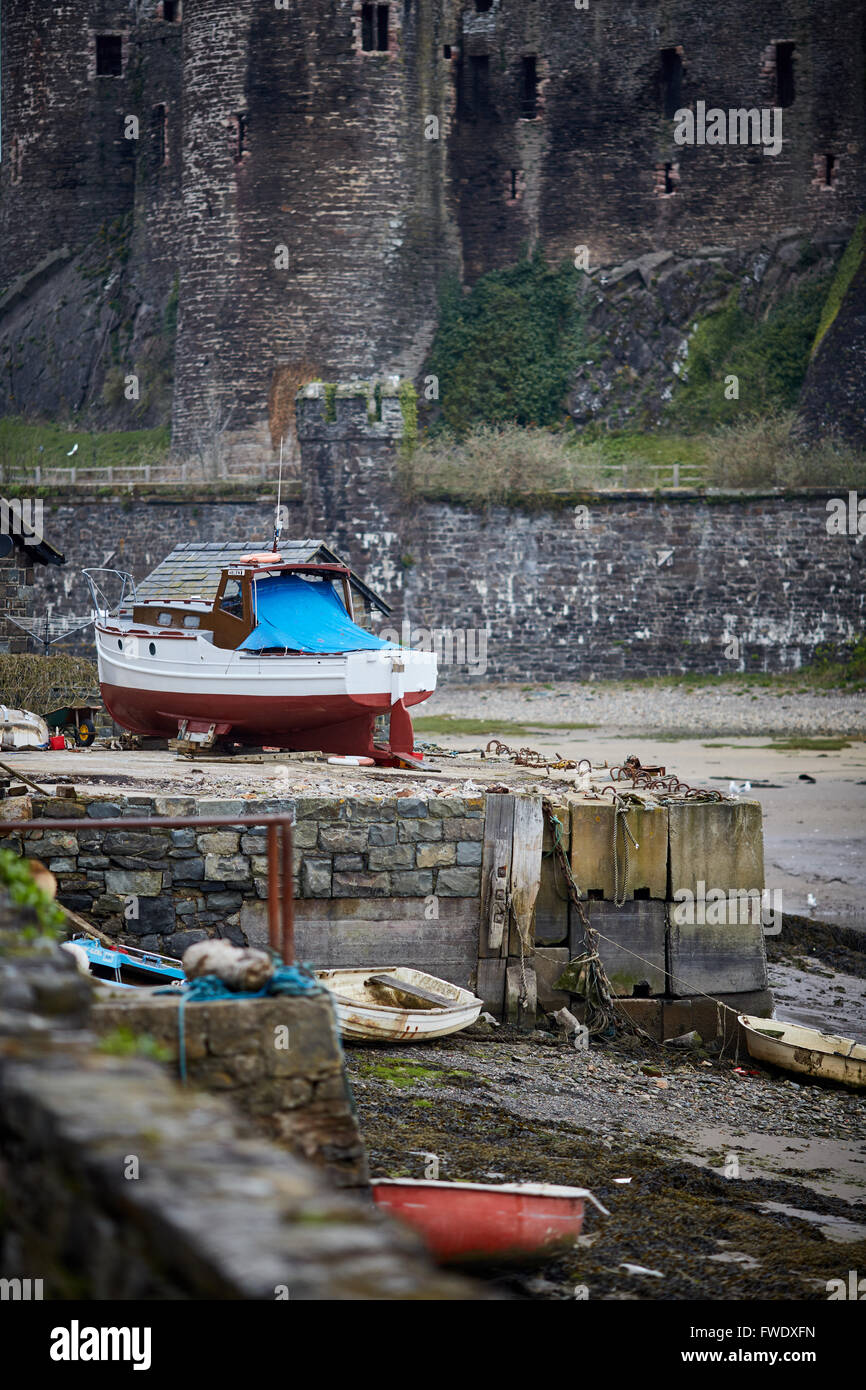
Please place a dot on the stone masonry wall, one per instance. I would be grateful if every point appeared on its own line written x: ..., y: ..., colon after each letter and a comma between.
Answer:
x: 560, y: 593
x: 279, y: 1060
x: 165, y: 889
x: 16, y: 579
x: 311, y: 192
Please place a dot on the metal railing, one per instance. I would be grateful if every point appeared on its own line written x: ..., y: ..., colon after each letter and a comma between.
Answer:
x: 281, y: 902
x: 44, y: 475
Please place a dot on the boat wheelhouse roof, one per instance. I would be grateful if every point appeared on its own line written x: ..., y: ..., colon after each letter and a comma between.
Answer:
x: 195, y: 568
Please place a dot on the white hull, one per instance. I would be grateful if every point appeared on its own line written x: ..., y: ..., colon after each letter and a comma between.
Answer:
x: 362, y: 1019
x: 805, y: 1050
x: 21, y: 729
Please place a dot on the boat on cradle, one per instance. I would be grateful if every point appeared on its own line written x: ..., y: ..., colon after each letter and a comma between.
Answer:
x: 461, y: 1219
x: 805, y: 1050
x: 397, y: 1004
x: 260, y: 650
x: 128, y: 966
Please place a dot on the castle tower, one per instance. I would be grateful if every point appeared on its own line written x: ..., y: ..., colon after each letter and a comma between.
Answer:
x: 65, y: 167
x: 315, y: 227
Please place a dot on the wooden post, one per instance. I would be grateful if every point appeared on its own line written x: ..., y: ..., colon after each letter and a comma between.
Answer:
x: 273, y: 890
x: 288, y: 896
x: 495, y: 870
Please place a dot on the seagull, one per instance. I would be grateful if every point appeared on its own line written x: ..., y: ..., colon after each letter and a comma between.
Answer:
x: 811, y: 900
x: 73, y: 450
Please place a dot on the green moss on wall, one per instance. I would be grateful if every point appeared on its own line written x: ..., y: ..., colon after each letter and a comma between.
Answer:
x: 504, y: 352
x: 768, y: 356
x: 847, y: 269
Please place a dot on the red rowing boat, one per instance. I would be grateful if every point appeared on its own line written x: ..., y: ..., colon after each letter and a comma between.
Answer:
x: 472, y: 1218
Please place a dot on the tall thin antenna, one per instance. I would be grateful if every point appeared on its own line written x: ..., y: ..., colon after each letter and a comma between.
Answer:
x: 277, y: 519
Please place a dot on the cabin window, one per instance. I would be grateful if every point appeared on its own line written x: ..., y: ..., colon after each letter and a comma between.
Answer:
x: 192, y: 620
x: 232, y: 599
x: 151, y: 647
x: 672, y: 81
x: 784, y: 74
x: 164, y: 620
x: 374, y: 28
x: 157, y: 136
x: 529, y: 95
x: 109, y: 55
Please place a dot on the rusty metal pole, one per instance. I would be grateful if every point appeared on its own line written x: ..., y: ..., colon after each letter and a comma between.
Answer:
x: 273, y: 890
x: 288, y: 897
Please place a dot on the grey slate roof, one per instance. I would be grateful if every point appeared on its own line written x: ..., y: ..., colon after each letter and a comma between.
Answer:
x: 194, y: 568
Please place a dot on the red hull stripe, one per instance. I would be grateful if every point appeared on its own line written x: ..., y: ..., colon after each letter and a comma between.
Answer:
x: 268, y: 718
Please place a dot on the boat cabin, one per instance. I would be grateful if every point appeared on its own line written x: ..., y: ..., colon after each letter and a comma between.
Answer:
x: 242, y: 599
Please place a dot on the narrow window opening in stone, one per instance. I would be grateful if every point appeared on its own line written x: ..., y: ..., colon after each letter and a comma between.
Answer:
x: 382, y: 16
x: 482, y: 6
x: 672, y: 81
x: 784, y: 74
x: 368, y: 15
x: 829, y: 169
x: 529, y: 99
x: 241, y: 128
x: 446, y: 51
x: 157, y: 136
x: 171, y: 11
x: 109, y: 55
x: 670, y: 184
x: 514, y: 183
x: 479, y: 68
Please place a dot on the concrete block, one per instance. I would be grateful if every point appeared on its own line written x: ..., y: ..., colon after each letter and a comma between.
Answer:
x: 715, y: 1018
x: 720, y: 844
x: 631, y: 942
x: 549, y: 963
x: 371, y: 931
x: 647, y: 1014
x: 592, y: 858
x: 730, y: 958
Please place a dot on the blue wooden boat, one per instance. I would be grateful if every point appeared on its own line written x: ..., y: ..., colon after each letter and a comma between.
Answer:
x: 128, y: 966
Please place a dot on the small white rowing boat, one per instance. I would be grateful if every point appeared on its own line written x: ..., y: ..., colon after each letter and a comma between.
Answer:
x: 805, y: 1050
x: 397, y: 1004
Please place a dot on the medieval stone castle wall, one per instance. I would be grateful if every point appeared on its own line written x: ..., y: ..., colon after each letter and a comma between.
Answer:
x: 307, y: 170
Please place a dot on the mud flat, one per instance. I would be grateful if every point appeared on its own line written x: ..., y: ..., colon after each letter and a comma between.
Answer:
x: 790, y: 1217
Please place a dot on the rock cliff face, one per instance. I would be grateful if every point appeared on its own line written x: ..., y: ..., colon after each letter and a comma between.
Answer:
x: 642, y: 315
x: 833, y: 400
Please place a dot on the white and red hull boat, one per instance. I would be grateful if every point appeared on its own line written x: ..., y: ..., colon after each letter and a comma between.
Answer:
x: 274, y: 659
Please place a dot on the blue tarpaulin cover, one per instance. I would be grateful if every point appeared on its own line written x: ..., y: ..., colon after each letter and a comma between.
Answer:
x: 304, y: 616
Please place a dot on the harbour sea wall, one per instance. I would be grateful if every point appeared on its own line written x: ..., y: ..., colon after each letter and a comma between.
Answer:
x: 602, y: 586
x: 425, y: 881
